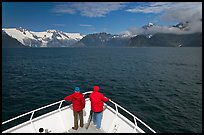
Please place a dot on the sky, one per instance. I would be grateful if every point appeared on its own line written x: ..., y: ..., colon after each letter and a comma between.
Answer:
x: 95, y: 17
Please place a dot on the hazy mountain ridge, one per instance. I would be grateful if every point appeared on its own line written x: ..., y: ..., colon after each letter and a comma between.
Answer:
x: 167, y: 40
x: 151, y: 35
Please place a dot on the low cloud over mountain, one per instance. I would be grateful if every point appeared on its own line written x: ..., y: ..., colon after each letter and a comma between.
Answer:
x: 187, y: 13
x: 181, y: 28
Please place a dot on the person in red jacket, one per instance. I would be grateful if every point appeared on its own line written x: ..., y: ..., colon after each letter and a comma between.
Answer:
x: 78, y: 104
x: 97, y: 102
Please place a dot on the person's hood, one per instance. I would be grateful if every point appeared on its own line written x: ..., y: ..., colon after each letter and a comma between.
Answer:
x: 77, y: 95
x: 96, y: 88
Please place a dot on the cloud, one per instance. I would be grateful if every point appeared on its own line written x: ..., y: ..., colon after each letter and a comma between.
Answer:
x: 88, y: 27
x: 63, y: 8
x: 85, y: 25
x: 183, y: 11
x: 152, y: 7
x: 170, y: 12
x: 193, y: 28
x: 89, y: 9
x: 59, y: 24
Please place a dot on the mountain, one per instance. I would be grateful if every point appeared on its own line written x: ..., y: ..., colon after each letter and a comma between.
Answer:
x: 49, y: 38
x: 184, y: 33
x: 167, y: 40
x: 155, y: 40
x: 9, y: 42
x: 94, y: 40
x: 150, y: 35
x: 102, y: 40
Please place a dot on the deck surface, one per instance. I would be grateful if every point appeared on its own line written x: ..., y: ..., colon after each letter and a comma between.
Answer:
x: 91, y: 129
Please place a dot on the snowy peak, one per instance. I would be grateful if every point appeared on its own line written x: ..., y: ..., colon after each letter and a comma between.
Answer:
x: 52, y: 31
x: 49, y: 38
x: 149, y: 25
x: 182, y: 25
x: 21, y: 29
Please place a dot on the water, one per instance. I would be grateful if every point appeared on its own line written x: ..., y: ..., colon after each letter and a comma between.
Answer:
x: 161, y: 86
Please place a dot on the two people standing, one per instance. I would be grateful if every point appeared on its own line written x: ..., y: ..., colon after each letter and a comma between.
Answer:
x: 97, y: 100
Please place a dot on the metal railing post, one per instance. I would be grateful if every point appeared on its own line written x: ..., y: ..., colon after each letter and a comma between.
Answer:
x: 31, y: 117
x: 135, y: 124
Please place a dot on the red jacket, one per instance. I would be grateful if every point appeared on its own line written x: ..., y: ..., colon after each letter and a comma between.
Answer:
x: 78, y: 101
x: 97, y: 100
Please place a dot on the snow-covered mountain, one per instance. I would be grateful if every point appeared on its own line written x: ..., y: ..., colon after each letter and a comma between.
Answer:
x: 9, y: 42
x: 49, y: 38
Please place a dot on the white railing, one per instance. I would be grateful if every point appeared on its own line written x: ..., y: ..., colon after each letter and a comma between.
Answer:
x: 32, y: 112
x: 59, y: 108
x: 135, y: 118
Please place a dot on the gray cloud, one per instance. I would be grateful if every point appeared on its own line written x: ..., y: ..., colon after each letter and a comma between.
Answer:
x: 183, y: 11
x: 89, y: 9
x: 170, y: 12
x: 193, y: 28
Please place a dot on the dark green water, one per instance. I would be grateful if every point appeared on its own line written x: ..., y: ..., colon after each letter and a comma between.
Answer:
x: 161, y: 86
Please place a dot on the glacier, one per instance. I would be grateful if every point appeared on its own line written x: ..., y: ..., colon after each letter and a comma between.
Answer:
x: 49, y: 38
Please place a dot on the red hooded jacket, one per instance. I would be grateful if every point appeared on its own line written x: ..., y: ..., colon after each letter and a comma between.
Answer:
x: 77, y: 100
x: 97, y: 100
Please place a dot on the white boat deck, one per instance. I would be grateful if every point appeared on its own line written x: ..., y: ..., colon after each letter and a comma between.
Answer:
x: 61, y: 120
x: 91, y: 129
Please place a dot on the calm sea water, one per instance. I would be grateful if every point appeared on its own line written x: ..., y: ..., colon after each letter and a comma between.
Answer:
x: 161, y: 86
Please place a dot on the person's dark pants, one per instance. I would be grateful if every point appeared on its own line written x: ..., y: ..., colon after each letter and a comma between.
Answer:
x: 80, y: 113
